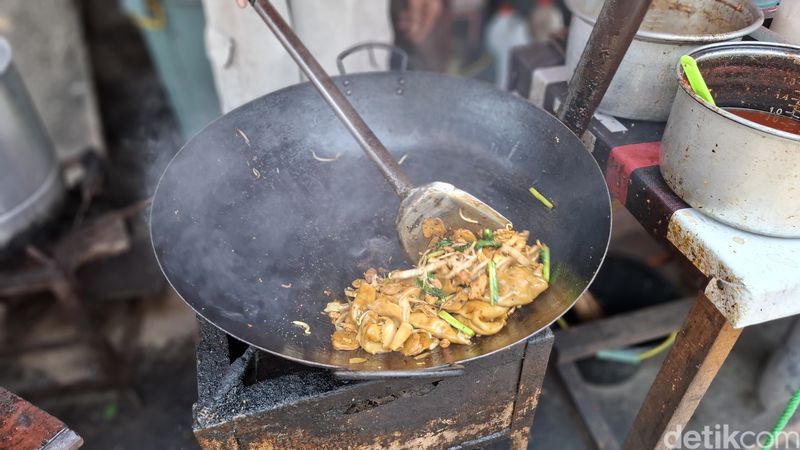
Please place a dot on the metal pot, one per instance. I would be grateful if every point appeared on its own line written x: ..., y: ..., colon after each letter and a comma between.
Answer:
x: 644, y: 85
x: 30, y: 176
x: 744, y: 174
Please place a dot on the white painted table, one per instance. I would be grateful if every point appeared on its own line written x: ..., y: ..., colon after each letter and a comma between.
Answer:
x: 752, y: 278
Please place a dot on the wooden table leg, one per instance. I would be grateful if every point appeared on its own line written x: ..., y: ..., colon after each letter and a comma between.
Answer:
x: 703, y: 343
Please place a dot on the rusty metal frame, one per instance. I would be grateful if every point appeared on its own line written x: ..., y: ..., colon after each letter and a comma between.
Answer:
x: 24, y: 426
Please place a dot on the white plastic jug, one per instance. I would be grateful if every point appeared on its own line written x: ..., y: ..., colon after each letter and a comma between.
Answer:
x: 787, y: 21
x: 505, y: 31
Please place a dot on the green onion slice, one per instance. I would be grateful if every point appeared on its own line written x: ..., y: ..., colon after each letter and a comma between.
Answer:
x: 436, y: 253
x: 486, y: 243
x: 546, y: 261
x: 444, y: 243
x: 493, y: 294
x: 540, y: 197
x: 426, y: 287
x: 456, y: 324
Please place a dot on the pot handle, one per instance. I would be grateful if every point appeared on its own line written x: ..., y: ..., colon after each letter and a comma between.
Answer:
x: 445, y: 372
x: 370, y: 46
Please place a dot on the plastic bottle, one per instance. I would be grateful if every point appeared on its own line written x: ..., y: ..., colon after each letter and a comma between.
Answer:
x: 546, y: 19
x: 505, y: 31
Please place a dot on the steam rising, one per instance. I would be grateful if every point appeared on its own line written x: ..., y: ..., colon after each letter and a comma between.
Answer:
x: 228, y: 239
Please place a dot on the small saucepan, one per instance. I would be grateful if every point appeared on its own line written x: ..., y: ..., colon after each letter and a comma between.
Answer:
x: 739, y: 162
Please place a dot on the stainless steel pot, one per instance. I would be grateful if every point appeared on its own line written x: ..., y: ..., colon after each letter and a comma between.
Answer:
x: 30, y: 176
x: 644, y: 85
x: 744, y: 174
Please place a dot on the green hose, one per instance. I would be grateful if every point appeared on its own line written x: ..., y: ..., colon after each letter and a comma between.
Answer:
x: 791, y: 407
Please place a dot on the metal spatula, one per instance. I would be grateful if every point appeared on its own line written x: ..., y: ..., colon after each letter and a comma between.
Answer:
x: 432, y: 200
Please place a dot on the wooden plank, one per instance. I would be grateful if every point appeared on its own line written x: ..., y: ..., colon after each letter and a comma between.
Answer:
x: 703, y: 343
x: 31, y: 281
x: 534, y: 366
x: 587, y: 407
x: 581, y: 341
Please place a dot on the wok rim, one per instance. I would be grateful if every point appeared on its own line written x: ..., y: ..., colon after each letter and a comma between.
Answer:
x: 341, y: 368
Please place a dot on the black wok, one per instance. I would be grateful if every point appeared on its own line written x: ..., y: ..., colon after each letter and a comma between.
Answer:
x: 244, y: 210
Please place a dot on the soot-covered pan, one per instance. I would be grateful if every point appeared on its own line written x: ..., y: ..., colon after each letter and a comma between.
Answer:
x: 255, y: 227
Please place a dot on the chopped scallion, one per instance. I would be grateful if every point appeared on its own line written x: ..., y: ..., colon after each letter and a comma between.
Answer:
x: 546, y: 261
x: 426, y: 287
x: 449, y: 243
x: 493, y: 291
x: 486, y: 243
x: 444, y: 243
x: 540, y: 197
x: 455, y: 323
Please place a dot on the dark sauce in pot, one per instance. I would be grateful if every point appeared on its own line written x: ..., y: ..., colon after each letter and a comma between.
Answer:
x: 775, y: 121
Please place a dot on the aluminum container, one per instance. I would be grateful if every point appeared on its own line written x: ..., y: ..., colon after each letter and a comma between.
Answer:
x: 644, y: 85
x: 30, y: 176
x: 742, y: 173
